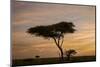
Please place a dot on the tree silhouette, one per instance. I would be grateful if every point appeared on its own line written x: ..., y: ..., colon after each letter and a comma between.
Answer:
x: 54, y: 31
x: 70, y: 53
x: 37, y: 56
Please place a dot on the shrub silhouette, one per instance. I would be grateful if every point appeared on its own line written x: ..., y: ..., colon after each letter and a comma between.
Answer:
x: 37, y: 56
x: 70, y: 53
x: 55, y: 32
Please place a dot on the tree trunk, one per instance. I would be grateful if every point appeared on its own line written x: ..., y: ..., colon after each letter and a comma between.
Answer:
x: 60, y: 48
x: 61, y: 52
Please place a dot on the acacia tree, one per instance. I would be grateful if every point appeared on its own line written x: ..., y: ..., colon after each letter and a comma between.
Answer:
x: 70, y: 53
x: 55, y: 32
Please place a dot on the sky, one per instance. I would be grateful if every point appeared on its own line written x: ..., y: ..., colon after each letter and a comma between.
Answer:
x: 31, y: 14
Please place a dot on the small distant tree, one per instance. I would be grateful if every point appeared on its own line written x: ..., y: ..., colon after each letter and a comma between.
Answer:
x: 37, y: 56
x: 55, y: 32
x: 69, y: 53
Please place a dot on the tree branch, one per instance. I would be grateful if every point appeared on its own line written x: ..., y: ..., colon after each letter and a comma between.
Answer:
x: 62, y: 41
x: 57, y: 43
x: 55, y: 40
x: 59, y: 40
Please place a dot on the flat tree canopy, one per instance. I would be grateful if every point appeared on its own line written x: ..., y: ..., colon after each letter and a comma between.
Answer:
x: 52, y: 30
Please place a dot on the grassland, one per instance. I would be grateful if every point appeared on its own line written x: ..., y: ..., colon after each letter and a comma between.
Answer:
x: 41, y: 61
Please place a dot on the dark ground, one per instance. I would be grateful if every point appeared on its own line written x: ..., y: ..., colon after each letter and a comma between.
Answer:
x: 41, y: 61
